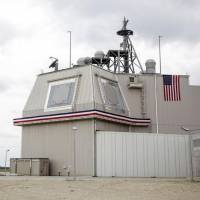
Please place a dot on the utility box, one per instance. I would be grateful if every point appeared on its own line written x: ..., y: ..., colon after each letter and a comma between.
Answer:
x: 40, y: 167
x: 30, y: 166
x: 13, y: 165
x: 24, y: 167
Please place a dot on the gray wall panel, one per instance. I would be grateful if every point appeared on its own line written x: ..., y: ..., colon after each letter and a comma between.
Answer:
x: 36, y: 101
x: 56, y: 142
x: 110, y: 126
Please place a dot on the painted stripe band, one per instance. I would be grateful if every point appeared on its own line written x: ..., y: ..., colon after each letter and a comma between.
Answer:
x: 82, y: 115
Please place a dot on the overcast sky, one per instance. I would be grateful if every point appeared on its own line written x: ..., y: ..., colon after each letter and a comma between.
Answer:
x: 33, y: 30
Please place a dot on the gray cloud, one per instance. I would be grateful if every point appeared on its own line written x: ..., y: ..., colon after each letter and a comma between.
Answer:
x: 8, y: 135
x: 3, y: 86
x: 178, y: 20
x: 97, y: 21
x: 8, y: 31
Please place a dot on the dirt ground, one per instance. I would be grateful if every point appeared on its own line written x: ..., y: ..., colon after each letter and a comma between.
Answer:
x: 57, y: 188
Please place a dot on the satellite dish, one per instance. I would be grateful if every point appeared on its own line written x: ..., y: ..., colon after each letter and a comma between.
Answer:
x: 54, y: 64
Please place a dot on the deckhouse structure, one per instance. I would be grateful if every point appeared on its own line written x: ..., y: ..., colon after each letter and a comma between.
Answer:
x: 67, y: 108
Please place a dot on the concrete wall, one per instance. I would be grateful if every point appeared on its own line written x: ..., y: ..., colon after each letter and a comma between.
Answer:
x: 98, y: 72
x: 83, y: 98
x: 110, y: 126
x: 56, y: 142
x: 131, y: 96
x: 98, y: 100
x: 172, y: 115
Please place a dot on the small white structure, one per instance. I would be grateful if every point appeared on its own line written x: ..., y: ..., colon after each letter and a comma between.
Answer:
x: 29, y: 166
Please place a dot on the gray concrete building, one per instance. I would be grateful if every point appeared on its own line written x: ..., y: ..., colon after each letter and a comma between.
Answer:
x: 67, y: 108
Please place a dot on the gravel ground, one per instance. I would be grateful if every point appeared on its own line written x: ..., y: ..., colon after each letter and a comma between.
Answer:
x: 57, y: 188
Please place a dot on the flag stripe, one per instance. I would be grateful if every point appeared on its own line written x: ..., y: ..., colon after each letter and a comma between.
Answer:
x: 175, y: 88
x: 165, y: 93
x: 179, y: 94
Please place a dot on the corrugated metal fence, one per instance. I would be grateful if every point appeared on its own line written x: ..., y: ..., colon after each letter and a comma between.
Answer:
x: 126, y: 154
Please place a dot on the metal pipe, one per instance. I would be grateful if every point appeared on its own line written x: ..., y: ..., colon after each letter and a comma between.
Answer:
x: 156, y: 102
x: 74, y: 128
x: 7, y: 150
x: 159, y: 46
x: 70, y: 48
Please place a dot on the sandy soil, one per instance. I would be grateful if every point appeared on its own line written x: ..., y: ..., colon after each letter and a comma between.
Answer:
x: 57, y: 188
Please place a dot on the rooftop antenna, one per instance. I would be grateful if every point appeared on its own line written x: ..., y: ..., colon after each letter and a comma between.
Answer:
x: 54, y: 64
x: 159, y: 49
x: 126, y: 59
x: 70, y: 48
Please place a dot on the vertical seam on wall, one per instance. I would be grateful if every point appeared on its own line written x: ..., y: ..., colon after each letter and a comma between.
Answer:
x: 179, y: 157
x: 144, y: 155
x: 175, y: 157
x: 136, y: 155
x: 186, y: 155
x: 168, y: 156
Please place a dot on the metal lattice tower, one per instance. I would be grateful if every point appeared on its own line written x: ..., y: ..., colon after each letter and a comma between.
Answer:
x: 124, y: 60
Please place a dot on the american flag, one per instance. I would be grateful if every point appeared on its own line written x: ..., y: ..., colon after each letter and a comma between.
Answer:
x: 171, y: 87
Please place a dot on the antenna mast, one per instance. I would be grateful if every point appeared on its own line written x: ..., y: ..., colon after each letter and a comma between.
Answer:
x: 126, y: 59
x: 123, y: 60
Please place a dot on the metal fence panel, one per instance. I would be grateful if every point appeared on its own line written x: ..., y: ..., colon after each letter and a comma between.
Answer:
x: 126, y: 154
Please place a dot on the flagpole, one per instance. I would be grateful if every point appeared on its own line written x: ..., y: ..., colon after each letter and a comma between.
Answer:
x: 156, y: 97
x: 156, y: 102
x: 159, y: 48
